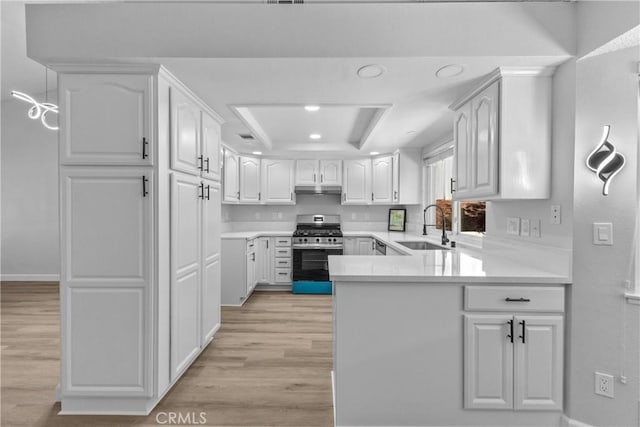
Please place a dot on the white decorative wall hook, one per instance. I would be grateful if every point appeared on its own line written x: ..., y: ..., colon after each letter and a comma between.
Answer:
x: 38, y: 110
x: 605, y: 161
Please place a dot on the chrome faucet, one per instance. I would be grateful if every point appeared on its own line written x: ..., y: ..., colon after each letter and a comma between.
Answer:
x: 444, y: 223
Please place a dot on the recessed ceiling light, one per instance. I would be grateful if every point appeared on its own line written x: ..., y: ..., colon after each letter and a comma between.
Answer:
x: 315, y: 136
x: 450, y: 70
x: 257, y: 153
x: 312, y: 108
x: 370, y: 71
x: 374, y: 153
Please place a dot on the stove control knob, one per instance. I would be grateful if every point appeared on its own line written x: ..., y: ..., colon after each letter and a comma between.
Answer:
x: 305, y: 240
x: 318, y: 239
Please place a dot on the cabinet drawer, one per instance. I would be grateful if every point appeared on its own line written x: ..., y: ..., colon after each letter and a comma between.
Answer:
x: 283, y: 241
x: 283, y: 262
x: 283, y: 275
x: 283, y: 252
x: 513, y: 298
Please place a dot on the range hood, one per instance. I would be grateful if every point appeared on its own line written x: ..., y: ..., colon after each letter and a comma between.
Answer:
x: 318, y: 189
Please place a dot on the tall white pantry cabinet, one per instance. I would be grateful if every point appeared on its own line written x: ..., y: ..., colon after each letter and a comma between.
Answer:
x: 140, y: 235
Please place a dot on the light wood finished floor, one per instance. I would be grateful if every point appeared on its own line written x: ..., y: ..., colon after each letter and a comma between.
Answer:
x: 269, y: 365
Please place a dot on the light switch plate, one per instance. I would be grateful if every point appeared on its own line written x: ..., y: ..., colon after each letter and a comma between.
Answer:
x: 525, y: 227
x: 513, y: 226
x: 603, y: 233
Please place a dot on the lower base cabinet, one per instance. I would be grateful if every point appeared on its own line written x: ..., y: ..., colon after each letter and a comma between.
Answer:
x: 239, y: 270
x: 358, y: 246
x: 513, y: 361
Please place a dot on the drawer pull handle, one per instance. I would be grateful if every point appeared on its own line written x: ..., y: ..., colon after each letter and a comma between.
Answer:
x: 524, y: 328
x: 517, y: 299
x: 510, y: 336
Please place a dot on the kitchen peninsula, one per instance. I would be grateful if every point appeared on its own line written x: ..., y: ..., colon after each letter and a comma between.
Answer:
x: 431, y: 338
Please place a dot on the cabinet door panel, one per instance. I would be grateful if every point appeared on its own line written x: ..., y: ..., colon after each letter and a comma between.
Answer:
x: 488, y: 362
x: 249, y: 179
x: 330, y: 172
x: 211, y: 135
x: 306, y: 172
x: 211, y: 298
x: 185, y: 134
x: 277, y: 181
x: 462, y: 147
x: 382, y: 179
x: 231, y: 177
x: 211, y: 220
x: 186, y: 264
x: 104, y: 118
x: 539, y: 362
x: 357, y: 182
x: 485, y: 142
x: 107, y: 225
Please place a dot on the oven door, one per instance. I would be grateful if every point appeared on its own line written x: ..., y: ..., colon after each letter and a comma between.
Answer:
x: 311, y: 264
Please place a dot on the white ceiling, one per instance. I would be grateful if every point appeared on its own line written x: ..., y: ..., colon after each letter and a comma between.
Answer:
x: 269, y: 85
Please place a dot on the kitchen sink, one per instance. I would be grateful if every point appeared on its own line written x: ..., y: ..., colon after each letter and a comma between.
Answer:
x: 422, y: 246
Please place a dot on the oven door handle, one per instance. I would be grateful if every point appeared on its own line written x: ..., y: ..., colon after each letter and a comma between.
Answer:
x: 308, y: 246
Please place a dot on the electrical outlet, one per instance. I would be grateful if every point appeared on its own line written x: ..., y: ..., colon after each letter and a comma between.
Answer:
x: 604, y: 384
x: 556, y: 214
x: 513, y: 226
x: 535, y: 228
x: 525, y: 227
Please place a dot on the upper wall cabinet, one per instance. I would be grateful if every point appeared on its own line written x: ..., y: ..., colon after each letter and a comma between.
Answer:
x: 382, y: 180
x: 356, y: 189
x: 277, y: 181
x: 211, y: 135
x: 250, y: 180
x: 185, y: 134
x: 319, y: 172
x: 502, y: 137
x: 407, y: 169
x: 195, y: 138
x: 106, y: 119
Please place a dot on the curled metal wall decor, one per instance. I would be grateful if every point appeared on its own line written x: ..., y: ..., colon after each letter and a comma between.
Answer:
x: 605, y: 161
x: 39, y: 110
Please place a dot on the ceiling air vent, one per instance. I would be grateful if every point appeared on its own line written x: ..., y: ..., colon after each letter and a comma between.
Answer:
x: 284, y: 1
x: 246, y: 136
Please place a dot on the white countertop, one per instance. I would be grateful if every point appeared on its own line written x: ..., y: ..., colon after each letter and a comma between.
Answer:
x: 457, y: 265
x: 253, y: 234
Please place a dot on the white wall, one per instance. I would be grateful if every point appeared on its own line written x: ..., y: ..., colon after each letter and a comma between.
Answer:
x: 561, y: 175
x: 604, y: 330
x: 29, y: 175
x: 354, y: 218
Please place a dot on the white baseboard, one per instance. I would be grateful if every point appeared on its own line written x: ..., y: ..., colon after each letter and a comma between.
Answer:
x: 569, y: 422
x: 30, y: 277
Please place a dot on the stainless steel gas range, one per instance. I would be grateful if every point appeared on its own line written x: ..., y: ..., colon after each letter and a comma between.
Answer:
x: 316, y: 237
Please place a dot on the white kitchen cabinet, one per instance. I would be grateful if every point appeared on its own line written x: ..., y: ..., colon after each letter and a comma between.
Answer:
x: 106, y: 119
x: 365, y: 245
x: 211, y: 150
x: 407, y: 177
x: 306, y: 172
x: 185, y: 133
x: 277, y: 178
x: 349, y: 246
x: 265, y: 257
x: 231, y: 181
x: 134, y: 237
x: 382, y: 180
x: 107, y: 229
x: 331, y: 172
x: 318, y: 172
x: 249, y: 180
x: 211, y: 220
x: 186, y: 270
x: 282, y: 263
x: 251, y: 266
x: 513, y: 360
x: 356, y: 188
x: 502, y: 137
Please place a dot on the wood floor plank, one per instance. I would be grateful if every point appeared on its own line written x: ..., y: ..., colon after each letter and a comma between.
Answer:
x: 268, y: 365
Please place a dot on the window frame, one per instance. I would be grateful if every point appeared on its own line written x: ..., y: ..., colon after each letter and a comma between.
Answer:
x: 430, y: 158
